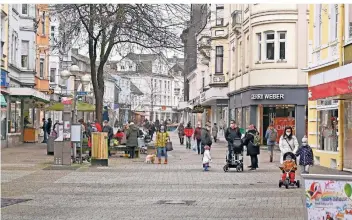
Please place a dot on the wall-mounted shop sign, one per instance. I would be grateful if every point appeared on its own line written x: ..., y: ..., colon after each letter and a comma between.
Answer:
x: 268, y: 96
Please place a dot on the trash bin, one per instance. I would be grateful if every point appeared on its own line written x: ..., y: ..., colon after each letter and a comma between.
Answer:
x: 50, y: 145
x: 99, y: 149
x: 62, y: 153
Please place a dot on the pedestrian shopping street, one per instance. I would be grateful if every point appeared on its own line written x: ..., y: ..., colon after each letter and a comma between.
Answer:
x: 132, y: 189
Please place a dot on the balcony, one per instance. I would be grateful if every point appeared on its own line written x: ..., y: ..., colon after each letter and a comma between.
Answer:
x: 236, y: 20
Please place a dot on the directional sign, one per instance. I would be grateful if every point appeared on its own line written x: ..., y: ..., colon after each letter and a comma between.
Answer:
x: 81, y: 93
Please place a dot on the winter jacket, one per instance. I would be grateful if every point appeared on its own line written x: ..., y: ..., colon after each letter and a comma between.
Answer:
x: 109, y: 130
x: 197, y: 133
x: 161, y: 139
x: 248, y: 140
x: 214, y: 131
x: 231, y: 134
x: 181, y: 131
x: 287, y: 145
x: 205, y: 137
x: 132, y: 136
x: 188, y: 131
x: 267, y: 137
x: 48, y: 126
x: 206, y: 157
x: 305, y: 154
x: 98, y: 127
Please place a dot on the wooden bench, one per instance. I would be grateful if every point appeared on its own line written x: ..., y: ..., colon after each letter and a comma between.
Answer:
x: 124, y: 148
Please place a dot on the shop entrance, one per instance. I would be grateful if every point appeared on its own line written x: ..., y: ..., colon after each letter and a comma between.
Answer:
x: 270, y: 112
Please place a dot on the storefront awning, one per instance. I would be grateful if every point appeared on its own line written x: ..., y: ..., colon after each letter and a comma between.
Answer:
x: 81, y: 106
x: 30, y: 93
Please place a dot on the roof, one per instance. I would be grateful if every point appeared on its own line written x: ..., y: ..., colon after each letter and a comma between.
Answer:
x: 135, y: 90
x: 142, y: 57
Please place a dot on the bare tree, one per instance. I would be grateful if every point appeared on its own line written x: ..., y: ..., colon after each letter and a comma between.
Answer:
x: 106, y: 27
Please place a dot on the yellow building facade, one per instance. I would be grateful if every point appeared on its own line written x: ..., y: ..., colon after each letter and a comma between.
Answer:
x: 325, y: 114
x: 43, y: 48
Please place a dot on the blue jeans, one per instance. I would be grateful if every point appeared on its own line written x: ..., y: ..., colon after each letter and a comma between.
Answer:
x: 162, y: 151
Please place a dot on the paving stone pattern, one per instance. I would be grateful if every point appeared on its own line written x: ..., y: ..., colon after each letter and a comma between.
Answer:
x: 131, y: 189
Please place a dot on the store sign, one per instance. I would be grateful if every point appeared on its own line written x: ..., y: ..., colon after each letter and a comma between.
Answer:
x: 331, y: 89
x: 268, y: 96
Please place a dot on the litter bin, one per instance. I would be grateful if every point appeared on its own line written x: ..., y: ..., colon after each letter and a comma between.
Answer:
x: 62, y: 153
x: 99, y: 149
x: 50, y: 145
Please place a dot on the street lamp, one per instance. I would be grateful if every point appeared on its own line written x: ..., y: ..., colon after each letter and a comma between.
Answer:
x: 85, y: 79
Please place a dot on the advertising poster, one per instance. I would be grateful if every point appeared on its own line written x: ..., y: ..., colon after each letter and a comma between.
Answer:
x: 328, y: 199
x: 280, y: 123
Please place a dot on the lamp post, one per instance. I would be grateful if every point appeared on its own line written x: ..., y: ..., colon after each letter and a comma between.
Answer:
x: 85, y: 79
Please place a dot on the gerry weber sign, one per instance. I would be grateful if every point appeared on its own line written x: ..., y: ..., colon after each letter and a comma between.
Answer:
x: 268, y: 96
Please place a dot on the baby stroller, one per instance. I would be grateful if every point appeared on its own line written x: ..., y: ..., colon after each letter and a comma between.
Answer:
x: 288, y: 168
x: 236, y: 156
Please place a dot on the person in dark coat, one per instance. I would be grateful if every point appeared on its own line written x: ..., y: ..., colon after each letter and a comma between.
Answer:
x: 306, y: 157
x: 181, y: 133
x: 232, y: 133
x: 132, y: 138
x: 157, y: 125
x: 44, y: 127
x: 152, y: 130
x: 108, y: 129
x: 251, y: 141
x: 197, y: 136
x: 205, y: 137
x: 49, y: 125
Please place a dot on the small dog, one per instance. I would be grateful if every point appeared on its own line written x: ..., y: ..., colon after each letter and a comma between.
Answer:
x: 150, y: 158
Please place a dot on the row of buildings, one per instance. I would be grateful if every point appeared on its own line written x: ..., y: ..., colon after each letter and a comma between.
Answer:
x: 138, y: 86
x: 287, y: 64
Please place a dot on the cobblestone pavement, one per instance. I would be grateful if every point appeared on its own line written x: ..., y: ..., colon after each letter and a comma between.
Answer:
x: 131, y: 189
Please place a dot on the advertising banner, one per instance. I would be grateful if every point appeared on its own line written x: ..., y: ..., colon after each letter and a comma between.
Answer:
x: 280, y: 123
x: 329, y: 198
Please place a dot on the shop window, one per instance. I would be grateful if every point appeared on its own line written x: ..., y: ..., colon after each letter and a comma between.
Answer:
x: 347, y: 163
x: 239, y: 117
x: 328, y: 130
x: 15, y: 117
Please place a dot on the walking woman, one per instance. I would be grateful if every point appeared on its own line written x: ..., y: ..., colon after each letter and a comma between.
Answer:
x: 161, y: 140
x: 288, y: 143
x: 252, y: 141
x: 181, y: 133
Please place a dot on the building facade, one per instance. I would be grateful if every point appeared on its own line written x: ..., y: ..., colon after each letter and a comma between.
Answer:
x: 267, y: 52
x: 4, y: 96
x: 330, y: 83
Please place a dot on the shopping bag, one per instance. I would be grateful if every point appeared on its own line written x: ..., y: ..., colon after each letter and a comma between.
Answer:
x: 169, y: 146
x: 194, y: 146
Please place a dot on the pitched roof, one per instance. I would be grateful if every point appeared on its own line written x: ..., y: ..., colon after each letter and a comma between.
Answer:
x: 142, y: 57
x: 135, y: 90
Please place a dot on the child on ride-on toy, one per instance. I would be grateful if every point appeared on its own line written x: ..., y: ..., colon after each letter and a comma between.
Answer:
x: 289, y: 167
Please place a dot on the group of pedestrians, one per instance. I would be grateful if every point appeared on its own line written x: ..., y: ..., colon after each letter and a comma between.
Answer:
x: 251, y: 139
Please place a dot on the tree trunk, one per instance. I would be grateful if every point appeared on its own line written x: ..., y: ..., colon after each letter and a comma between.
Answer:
x: 99, y: 107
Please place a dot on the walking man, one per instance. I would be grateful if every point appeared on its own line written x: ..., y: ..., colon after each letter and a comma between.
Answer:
x: 44, y: 127
x: 214, y: 132
x: 271, y: 136
x: 197, y: 136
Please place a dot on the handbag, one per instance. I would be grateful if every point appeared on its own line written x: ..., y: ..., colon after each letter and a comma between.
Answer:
x: 169, y: 146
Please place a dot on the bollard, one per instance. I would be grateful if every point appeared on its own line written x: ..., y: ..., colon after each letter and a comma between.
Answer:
x: 50, y: 145
x: 99, y: 149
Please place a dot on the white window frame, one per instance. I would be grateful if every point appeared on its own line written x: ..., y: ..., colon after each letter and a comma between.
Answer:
x: 266, y: 43
x: 280, y: 41
x: 348, y: 14
x: 259, y: 45
x: 41, y: 70
x: 52, y: 77
x: 334, y: 13
x: 317, y: 25
x: 26, y: 66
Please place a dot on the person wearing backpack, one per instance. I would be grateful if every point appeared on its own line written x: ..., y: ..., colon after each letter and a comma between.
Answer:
x: 270, y: 136
x: 288, y: 143
x: 252, y: 141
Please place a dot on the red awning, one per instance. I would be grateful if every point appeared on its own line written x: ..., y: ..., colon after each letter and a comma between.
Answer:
x: 331, y: 89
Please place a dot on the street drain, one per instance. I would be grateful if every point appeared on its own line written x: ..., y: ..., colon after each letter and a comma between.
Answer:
x: 7, y: 202
x: 176, y: 202
x: 61, y: 167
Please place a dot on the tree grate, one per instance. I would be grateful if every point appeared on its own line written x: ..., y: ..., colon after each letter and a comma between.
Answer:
x: 175, y: 202
x: 7, y: 201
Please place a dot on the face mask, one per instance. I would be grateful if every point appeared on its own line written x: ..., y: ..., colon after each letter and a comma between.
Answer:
x: 288, y: 133
x: 304, y: 144
x: 199, y: 126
